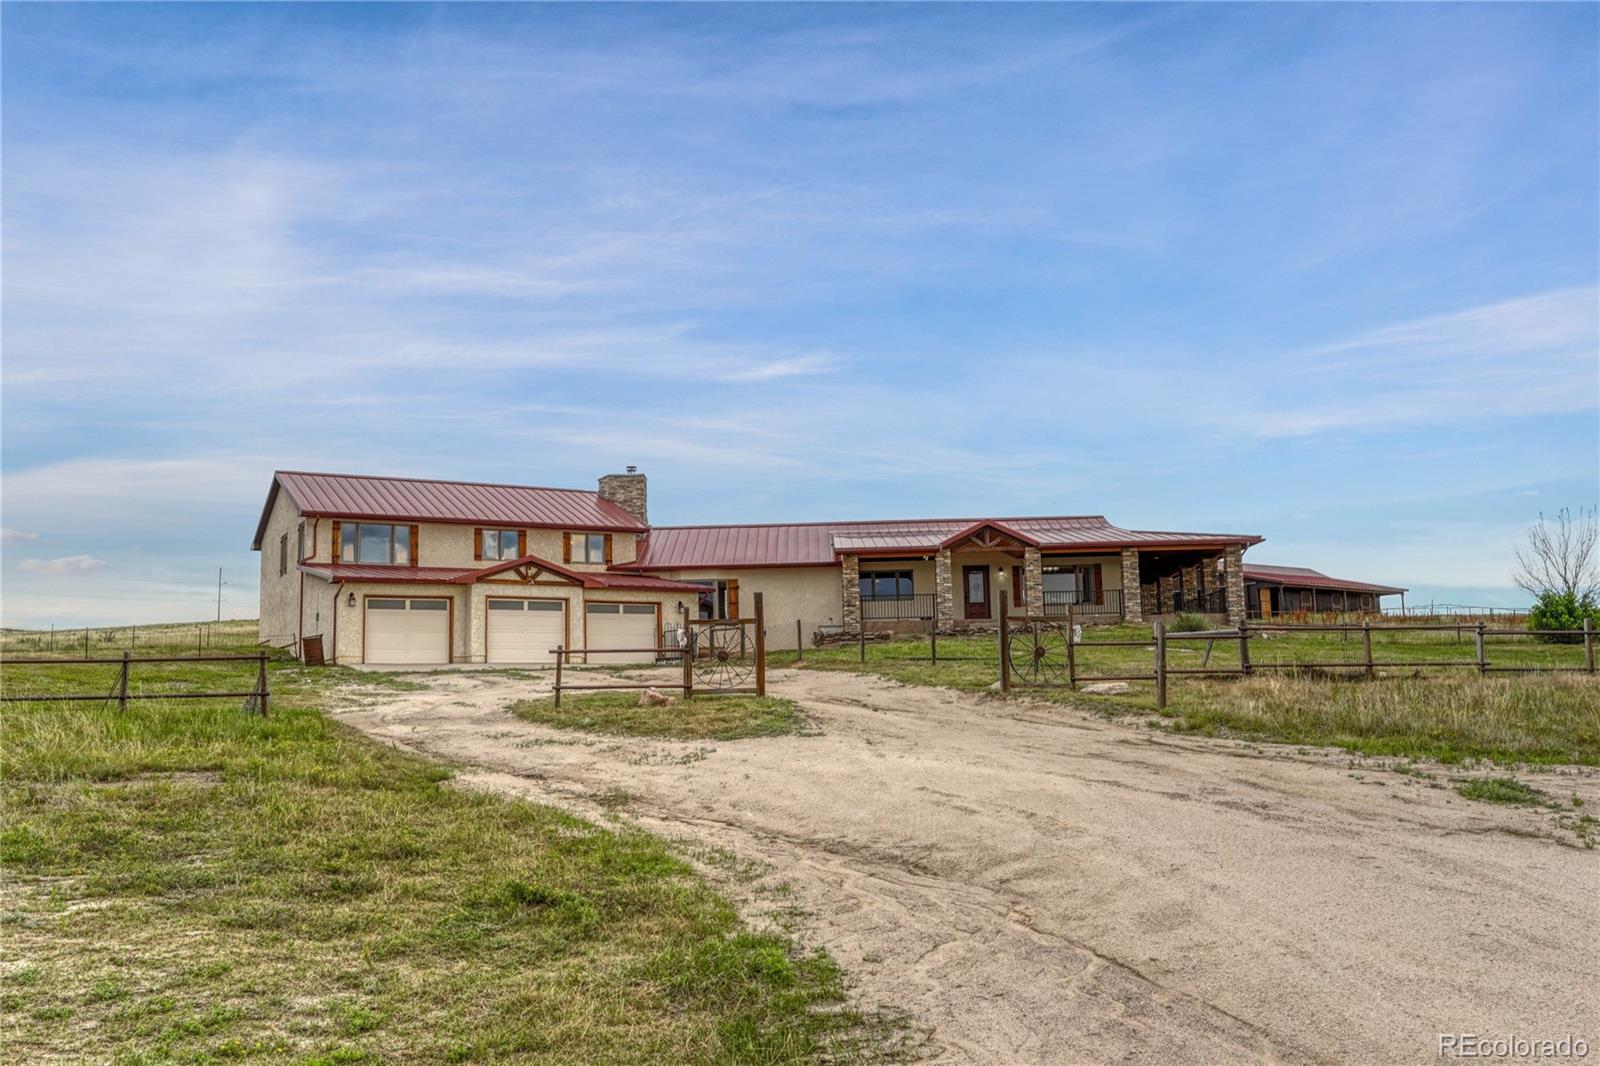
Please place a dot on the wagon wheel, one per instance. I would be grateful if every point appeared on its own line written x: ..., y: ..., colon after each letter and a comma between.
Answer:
x: 723, y: 657
x: 1039, y: 653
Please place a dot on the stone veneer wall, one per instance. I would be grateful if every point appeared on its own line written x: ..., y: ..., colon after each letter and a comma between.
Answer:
x: 944, y: 589
x: 1033, y: 581
x: 1233, y: 564
x: 629, y: 492
x: 1132, y: 587
x: 850, y: 592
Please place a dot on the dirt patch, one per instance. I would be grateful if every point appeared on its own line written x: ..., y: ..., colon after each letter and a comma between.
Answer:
x: 1040, y: 885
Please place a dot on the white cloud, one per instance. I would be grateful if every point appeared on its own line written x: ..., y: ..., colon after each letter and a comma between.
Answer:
x: 65, y: 564
x: 9, y: 535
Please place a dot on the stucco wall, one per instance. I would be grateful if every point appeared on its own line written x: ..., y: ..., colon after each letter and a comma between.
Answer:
x: 280, y: 593
x: 450, y: 544
x: 811, y: 594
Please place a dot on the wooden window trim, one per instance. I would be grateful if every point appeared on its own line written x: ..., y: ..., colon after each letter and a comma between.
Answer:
x: 608, y: 550
x: 1017, y: 578
x: 566, y: 556
x: 283, y: 555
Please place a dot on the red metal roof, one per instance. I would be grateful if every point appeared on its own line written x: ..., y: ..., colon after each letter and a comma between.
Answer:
x: 419, y: 500
x: 821, y: 543
x: 1307, y: 578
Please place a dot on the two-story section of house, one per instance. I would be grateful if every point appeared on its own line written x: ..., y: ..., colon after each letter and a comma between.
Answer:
x: 389, y: 570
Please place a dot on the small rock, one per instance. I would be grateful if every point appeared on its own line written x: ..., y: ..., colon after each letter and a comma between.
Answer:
x: 995, y: 687
x: 1106, y: 688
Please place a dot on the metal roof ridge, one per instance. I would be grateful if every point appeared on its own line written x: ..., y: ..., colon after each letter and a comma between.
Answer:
x: 435, y: 481
x: 884, y: 522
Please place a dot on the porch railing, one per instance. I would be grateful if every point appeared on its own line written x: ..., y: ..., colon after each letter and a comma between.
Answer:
x: 917, y: 606
x: 1109, y: 602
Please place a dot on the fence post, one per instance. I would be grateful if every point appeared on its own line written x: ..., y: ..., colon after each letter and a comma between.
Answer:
x: 1244, y: 649
x: 199, y: 641
x: 1366, y: 648
x: 761, y: 648
x: 561, y: 653
x: 861, y: 635
x: 1072, y: 654
x: 1161, y: 663
x: 933, y: 631
x: 261, y: 681
x: 1588, y: 643
x: 86, y: 643
x: 688, y: 655
x: 1477, y: 640
x: 122, y: 685
x: 799, y: 646
x: 1004, y: 645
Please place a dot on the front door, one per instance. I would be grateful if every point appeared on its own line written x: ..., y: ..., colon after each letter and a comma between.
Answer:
x: 975, y: 582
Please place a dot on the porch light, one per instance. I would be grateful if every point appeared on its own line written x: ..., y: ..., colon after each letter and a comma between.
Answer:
x: 351, y: 602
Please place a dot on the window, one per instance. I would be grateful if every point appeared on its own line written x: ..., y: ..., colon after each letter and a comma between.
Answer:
x: 283, y: 555
x: 367, y: 542
x: 885, y: 584
x: 300, y: 543
x: 501, y: 544
x: 589, y: 547
x: 1071, y: 585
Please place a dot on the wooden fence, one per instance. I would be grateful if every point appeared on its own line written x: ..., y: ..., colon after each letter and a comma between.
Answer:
x: 1042, y: 652
x: 256, y: 699
x: 712, y: 659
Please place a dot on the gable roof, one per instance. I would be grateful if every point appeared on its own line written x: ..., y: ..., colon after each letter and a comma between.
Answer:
x: 405, y: 499
x: 1307, y: 578
x: 821, y: 543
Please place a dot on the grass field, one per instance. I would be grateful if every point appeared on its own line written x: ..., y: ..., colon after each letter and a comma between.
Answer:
x: 729, y: 717
x: 169, y: 638
x: 1444, y: 713
x: 187, y: 883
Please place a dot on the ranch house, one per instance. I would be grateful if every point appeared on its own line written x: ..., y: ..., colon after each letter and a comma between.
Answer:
x: 389, y: 570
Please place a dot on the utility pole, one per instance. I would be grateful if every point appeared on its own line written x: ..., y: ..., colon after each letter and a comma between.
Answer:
x: 220, y: 583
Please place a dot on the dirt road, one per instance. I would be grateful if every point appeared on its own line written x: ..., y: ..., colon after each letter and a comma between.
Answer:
x: 1039, y: 885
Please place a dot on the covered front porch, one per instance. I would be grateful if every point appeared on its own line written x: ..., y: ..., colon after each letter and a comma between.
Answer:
x: 961, y: 584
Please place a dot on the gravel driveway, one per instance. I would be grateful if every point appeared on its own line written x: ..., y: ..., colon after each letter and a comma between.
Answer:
x: 1039, y: 885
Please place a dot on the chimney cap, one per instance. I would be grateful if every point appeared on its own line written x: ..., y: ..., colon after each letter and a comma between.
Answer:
x: 632, y: 469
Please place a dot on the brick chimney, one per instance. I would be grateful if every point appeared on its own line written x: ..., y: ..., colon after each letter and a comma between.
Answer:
x: 628, y: 491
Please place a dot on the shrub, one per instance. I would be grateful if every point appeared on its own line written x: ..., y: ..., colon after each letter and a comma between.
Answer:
x: 1189, y: 623
x: 1562, y: 610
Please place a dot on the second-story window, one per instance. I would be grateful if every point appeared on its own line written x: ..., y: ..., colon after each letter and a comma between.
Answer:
x: 589, y: 548
x: 370, y: 542
x: 500, y: 544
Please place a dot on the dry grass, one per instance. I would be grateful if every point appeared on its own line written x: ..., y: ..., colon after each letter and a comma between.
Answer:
x: 235, y: 636
x: 1448, y: 713
x: 186, y: 883
x: 707, y: 717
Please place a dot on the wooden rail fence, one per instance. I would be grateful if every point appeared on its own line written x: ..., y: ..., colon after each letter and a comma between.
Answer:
x: 256, y: 699
x: 1161, y: 670
x: 694, y: 653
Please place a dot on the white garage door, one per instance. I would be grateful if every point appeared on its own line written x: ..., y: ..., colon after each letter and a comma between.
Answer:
x: 524, y: 631
x: 407, y: 630
x: 621, y: 625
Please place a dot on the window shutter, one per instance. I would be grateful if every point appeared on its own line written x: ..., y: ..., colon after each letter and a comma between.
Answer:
x: 336, y: 540
x: 1016, y: 586
x: 566, y: 547
x: 414, y: 560
x: 477, y: 544
x: 522, y: 543
x: 733, y: 597
x: 608, y: 549
x: 1095, y: 577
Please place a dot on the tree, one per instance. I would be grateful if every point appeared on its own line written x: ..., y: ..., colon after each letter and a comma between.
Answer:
x: 1563, y: 558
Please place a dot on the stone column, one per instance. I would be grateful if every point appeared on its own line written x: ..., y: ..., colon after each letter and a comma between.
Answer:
x: 1033, y: 581
x: 1132, y: 605
x: 944, y: 588
x: 1233, y: 572
x: 850, y: 590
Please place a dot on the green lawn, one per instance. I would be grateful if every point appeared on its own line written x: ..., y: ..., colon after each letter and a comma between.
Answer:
x: 729, y: 717
x: 1443, y: 713
x: 187, y: 883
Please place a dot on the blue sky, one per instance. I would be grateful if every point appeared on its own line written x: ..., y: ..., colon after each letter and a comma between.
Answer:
x: 1323, y: 273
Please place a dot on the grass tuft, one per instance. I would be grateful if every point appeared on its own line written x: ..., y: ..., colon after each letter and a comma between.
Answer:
x: 1506, y: 790
x: 730, y: 717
